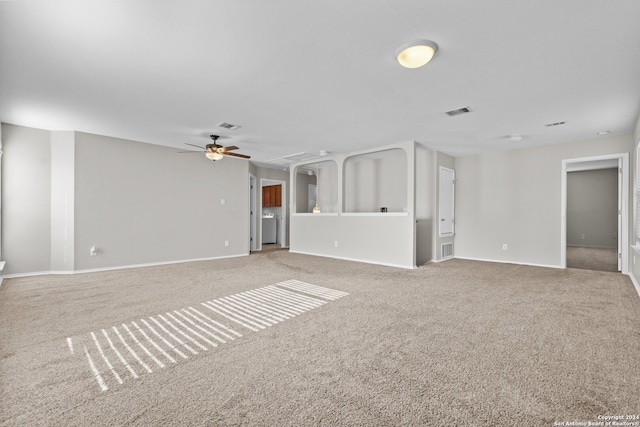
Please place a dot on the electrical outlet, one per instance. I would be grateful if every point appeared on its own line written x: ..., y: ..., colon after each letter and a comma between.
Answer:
x: 93, y: 251
x: 222, y: 202
x: 504, y: 247
x: 582, y: 237
x: 335, y: 243
x: 226, y: 243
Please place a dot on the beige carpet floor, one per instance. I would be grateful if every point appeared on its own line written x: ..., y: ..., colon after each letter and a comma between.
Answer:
x: 600, y: 259
x: 459, y: 343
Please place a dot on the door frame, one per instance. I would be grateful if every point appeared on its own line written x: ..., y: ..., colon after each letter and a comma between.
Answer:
x: 593, y: 163
x: 253, y: 226
x: 452, y: 206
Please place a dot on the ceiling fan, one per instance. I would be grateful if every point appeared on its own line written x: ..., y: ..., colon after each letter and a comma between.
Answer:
x: 215, y: 151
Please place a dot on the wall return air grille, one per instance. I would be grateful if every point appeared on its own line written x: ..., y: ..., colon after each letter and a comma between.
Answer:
x: 446, y: 250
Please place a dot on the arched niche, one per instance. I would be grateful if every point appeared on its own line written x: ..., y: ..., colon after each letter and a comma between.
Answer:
x: 376, y: 182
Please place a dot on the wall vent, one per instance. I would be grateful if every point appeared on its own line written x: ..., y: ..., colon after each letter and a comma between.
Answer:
x: 229, y: 126
x: 458, y: 111
x: 446, y: 250
x: 554, y: 124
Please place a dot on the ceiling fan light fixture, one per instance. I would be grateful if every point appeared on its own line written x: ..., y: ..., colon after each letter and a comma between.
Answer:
x: 212, y: 155
x: 416, y: 53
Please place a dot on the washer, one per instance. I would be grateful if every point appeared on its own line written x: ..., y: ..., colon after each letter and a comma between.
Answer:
x: 269, y: 228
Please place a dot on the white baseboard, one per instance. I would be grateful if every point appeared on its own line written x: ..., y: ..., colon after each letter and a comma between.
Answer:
x: 510, y: 262
x: 2, y: 263
x: 355, y: 260
x: 120, y: 267
x: 441, y: 259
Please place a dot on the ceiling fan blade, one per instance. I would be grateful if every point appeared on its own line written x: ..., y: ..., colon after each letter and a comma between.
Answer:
x: 237, y: 155
x: 195, y: 145
x: 229, y: 148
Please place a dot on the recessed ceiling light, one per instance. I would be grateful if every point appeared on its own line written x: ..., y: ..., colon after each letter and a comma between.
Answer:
x: 515, y: 138
x: 417, y: 53
x: 604, y: 132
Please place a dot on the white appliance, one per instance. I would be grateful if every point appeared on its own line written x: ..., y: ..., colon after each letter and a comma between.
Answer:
x: 269, y: 228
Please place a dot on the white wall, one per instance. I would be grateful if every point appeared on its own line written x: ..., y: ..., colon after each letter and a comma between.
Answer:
x: 329, y: 193
x: 367, y: 236
x: 26, y: 199
x: 370, y: 184
x: 514, y: 197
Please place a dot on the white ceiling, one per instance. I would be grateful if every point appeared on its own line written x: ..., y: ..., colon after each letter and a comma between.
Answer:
x: 305, y: 76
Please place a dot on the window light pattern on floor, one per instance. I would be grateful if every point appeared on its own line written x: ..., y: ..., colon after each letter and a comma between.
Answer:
x: 127, y: 350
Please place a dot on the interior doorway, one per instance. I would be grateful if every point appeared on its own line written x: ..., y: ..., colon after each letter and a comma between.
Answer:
x: 595, y: 213
x: 273, y: 214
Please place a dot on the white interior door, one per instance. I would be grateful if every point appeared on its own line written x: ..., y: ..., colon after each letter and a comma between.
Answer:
x: 446, y: 201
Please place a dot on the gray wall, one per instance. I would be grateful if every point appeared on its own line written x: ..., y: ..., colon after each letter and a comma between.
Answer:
x: 302, y: 191
x: 62, y: 201
x: 514, y: 197
x: 592, y: 208
x: 138, y: 203
x: 141, y: 203
x: 26, y: 199
x: 425, y: 204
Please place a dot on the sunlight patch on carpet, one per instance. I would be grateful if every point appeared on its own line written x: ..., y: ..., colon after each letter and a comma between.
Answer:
x: 127, y: 350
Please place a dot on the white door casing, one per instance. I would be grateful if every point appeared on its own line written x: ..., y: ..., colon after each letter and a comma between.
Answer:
x: 446, y: 201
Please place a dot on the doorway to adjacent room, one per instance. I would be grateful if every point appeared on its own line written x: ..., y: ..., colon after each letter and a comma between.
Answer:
x: 595, y: 213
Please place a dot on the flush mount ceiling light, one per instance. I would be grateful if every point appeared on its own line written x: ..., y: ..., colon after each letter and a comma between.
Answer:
x: 417, y: 53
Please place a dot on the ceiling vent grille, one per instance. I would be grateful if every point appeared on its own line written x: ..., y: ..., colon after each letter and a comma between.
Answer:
x: 293, y: 158
x: 229, y: 126
x: 554, y: 124
x: 458, y: 111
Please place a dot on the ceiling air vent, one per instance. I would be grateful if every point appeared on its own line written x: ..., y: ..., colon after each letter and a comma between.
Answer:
x: 554, y: 124
x: 293, y: 158
x: 458, y: 111
x: 229, y: 126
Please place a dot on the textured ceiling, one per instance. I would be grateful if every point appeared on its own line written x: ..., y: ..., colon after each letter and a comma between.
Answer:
x: 305, y: 76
